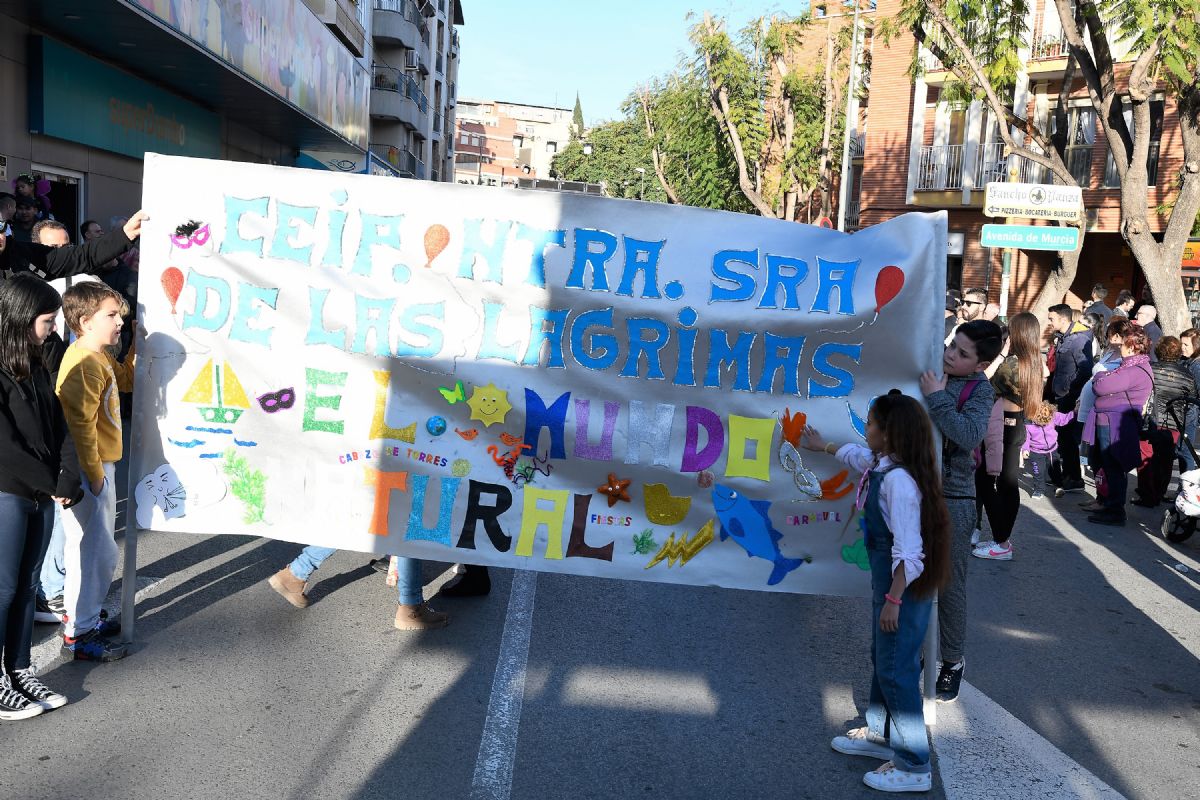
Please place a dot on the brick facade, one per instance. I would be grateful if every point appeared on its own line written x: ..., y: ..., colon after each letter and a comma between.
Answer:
x: 891, y: 163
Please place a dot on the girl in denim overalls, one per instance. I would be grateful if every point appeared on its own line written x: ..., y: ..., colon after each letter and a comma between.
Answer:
x: 906, y: 531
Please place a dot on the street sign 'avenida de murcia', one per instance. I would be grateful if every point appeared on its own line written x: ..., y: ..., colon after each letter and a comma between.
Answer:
x: 1034, y: 200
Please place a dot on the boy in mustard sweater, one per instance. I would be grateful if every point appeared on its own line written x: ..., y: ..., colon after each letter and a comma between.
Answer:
x: 88, y: 382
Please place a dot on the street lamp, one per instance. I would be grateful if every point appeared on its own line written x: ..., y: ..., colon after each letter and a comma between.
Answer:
x: 641, y: 191
x: 587, y: 148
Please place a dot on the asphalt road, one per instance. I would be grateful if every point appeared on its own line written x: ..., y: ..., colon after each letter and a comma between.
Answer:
x: 1089, y: 637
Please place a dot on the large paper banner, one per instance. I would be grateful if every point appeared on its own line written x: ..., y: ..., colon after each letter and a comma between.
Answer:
x: 518, y: 378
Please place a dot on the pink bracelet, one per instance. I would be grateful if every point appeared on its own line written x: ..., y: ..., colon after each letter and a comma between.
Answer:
x: 892, y: 600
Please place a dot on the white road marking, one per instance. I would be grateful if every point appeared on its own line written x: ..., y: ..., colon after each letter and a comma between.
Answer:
x: 498, y: 746
x: 984, y: 751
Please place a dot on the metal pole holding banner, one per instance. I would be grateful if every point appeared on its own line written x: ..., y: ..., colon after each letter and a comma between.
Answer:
x: 932, y: 661
x: 844, y: 182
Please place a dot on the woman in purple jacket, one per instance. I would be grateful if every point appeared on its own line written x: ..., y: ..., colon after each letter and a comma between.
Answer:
x: 1116, y: 422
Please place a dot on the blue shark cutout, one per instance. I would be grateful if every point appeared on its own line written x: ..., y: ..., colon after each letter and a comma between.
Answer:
x: 747, y: 522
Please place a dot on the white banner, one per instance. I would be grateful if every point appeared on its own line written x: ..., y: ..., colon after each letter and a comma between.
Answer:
x: 518, y: 378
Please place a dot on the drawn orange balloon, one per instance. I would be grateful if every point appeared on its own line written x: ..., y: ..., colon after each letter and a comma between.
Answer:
x: 436, y: 239
x: 172, y: 283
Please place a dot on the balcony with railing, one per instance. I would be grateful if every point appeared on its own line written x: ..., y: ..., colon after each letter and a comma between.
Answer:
x: 853, y: 207
x: 398, y: 157
x: 392, y: 96
x: 858, y: 143
x: 1047, y: 46
x: 991, y: 165
x: 940, y: 168
x: 399, y: 22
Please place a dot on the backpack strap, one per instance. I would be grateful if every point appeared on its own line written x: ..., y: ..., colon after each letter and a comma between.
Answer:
x: 965, y: 395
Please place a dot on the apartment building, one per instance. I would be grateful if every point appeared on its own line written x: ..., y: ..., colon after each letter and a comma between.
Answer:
x: 500, y: 143
x: 91, y: 86
x: 414, y: 85
x: 950, y: 151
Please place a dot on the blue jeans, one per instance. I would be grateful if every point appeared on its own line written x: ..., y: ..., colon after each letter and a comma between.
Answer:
x: 896, y: 711
x: 54, y: 567
x: 408, y: 586
x: 24, y: 531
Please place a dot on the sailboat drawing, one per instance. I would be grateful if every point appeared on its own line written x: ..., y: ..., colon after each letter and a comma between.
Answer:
x: 218, y: 392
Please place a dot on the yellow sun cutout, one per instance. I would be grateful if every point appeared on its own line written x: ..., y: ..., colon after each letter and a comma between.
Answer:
x: 489, y: 404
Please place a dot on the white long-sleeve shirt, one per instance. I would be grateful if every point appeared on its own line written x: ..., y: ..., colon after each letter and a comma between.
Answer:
x: 900, y: 503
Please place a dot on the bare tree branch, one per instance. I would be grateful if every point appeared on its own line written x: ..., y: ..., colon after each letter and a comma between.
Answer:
x: 644, y: 97
x: 719, y: 99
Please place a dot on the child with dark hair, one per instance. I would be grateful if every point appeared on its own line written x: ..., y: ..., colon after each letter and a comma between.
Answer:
x: 906, y: 530
x: 32, y: 446
x: 960, y: 403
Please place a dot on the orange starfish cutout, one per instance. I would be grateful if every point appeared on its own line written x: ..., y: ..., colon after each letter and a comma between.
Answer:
x: 793, y: 426
x: 616, y: 489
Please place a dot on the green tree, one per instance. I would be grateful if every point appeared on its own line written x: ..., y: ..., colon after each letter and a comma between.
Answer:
x: 777, y: 117
x: 619, y: 149
x: 1159, y: 37
x: 577, y: 129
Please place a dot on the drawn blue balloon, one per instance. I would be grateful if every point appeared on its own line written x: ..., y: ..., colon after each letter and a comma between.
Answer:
x: 859, y: 423
x: 436, y: 426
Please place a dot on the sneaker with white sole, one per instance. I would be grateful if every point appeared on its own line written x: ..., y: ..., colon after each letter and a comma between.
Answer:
x: 13, y: 704
x: 49, y: 609
x: 858, y: 742
x: 949, y: 679
x: 890, y: 778
x: 25, y: 682
x: 994, y: 552
x: 975, y: 536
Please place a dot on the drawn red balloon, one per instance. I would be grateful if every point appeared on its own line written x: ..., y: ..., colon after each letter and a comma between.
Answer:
x: 172, y: 283
x: 888, y: 284
x: 436, y: 239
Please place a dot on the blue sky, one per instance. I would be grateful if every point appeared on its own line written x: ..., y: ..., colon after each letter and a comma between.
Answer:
x: 543, y: 51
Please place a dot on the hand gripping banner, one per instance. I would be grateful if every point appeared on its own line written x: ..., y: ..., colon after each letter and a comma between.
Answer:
x: 524, y: 379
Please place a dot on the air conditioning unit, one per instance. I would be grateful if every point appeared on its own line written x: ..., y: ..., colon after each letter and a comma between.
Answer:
x: 412, y: 60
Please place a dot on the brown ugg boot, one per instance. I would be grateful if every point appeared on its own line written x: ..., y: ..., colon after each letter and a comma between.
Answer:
x: 420, y: 617
x: 289, y: 586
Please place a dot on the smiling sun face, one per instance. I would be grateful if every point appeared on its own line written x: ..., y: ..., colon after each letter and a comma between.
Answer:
x: 489, y: 404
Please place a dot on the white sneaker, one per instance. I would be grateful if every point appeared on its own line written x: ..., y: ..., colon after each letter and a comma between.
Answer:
x: 975, y: 536
x: 994, y: 552
x: 858, y: 742
x: 890, y: 778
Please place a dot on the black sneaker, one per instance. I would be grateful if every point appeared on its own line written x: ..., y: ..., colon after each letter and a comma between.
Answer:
x: 49, y: 610
x: 13, y: 704
x: 949, y: 678
x: 91, y: 646
x: 1113, y: 517
x: 108, y: 627
x: 24, y: 681
x: 380, y: 564
x: 1072, y: 485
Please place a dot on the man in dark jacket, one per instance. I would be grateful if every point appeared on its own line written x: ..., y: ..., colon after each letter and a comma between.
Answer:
x: 1071, y: 366
x: 1098, y: 306
x: 62, y: 262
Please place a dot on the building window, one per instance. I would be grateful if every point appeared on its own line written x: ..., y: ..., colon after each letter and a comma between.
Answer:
x: 518, y: 142
x: 1112, y: 180
x: 551, y: 147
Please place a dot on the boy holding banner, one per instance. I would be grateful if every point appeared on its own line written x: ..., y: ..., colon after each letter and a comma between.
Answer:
x: 960, y: 403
